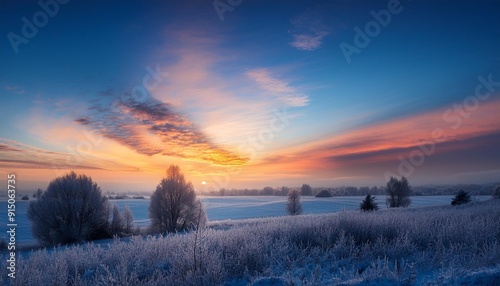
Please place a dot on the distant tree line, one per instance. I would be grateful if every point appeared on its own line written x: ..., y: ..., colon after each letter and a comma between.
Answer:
x: 304, y: 190
x: 427, y: 190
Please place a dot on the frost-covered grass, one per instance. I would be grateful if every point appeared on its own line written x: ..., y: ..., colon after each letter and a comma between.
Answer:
x: 421, y: 246
x: 225, y: 208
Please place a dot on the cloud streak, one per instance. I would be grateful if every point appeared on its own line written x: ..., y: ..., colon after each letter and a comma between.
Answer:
x: 308, y: 31
x: 151, y: 127
x: 15, y: 89
x: 14, y: 154
x: 308, y: 42
x: 385, y: 142
x: 278, y: 88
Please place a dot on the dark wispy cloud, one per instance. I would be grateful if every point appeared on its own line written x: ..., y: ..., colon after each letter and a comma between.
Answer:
x: 151, y: 127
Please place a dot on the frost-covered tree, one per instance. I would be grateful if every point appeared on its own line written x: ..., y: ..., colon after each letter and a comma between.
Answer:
x: 306, y: 190
x: 38, y: 193
x: 117, y: 225
x: 294, y: 206
x: 324, y: 194
x: 398, y: 192
x: 72, y: 209
x: 496, y: 192
x: 368, y: 204
x: 267, y: 191
x: 173, y: 205
x: 129, y: 220
x: 462, y: 197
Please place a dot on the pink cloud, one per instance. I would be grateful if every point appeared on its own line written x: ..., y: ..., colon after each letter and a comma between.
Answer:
x: 279, y: 88
x: 384, y: 142
x: 307, y: 42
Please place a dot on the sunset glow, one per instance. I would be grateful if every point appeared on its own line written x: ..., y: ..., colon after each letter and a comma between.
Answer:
x: 251, y: 101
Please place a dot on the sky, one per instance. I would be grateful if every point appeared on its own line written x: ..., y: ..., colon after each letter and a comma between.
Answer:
x: 247, y: 94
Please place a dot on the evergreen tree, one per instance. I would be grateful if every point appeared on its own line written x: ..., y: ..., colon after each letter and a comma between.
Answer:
x: 368, y: 204
x: 462, y: 197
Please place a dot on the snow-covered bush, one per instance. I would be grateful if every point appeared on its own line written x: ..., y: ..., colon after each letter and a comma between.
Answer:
x: 496, y: 192
x: 72, y: 209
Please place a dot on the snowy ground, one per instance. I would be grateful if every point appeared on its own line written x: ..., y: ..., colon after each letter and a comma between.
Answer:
x: 437, y: 245
x: 229, y: 208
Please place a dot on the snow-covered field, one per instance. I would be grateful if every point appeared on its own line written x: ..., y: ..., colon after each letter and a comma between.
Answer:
x: 438, y: 245
x: 233, y: 208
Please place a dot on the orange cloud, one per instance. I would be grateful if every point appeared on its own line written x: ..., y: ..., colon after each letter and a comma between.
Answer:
x: 150, y: 127
x: 447, y: 128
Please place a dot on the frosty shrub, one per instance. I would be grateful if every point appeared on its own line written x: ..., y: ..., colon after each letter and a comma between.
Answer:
x: 173, y: 205
x: 3, y: 244
x: 496, y: 192
x: 462, y: 197
x: 294, y: 206
x: 324, y: 194
x: 368, y: 204
x: 72, y: 209
x: 398, y: 193
x: 440, y: 245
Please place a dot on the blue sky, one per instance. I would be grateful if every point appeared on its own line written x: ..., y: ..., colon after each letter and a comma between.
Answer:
x: 81, y: 95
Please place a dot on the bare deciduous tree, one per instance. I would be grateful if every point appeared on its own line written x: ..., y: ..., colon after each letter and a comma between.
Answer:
x: 129, y: 220
x: 294, y: 206
x: 173, y: 205
x: 398, y: 193
x: 117, y: 225
x: 72, y: 209
x: 306, y: 190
